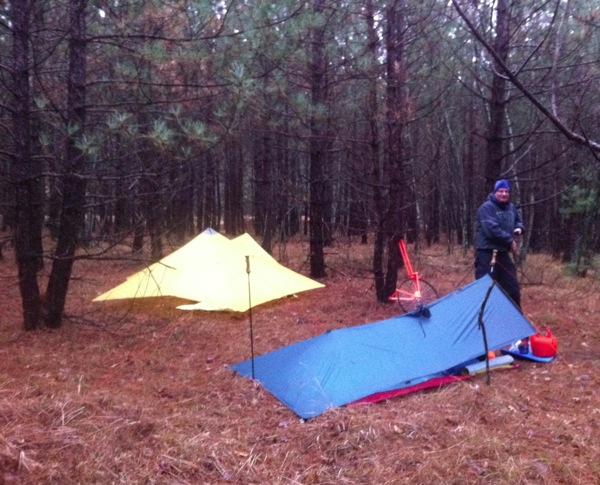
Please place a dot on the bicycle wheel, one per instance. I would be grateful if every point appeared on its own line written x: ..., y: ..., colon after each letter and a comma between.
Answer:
x: 409, y: 298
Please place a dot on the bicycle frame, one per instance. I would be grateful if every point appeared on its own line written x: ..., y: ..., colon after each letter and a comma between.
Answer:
x: 413, y: 292
x: 411, y: 274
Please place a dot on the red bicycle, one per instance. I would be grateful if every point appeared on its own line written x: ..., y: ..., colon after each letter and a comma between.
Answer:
x: 413, y: 292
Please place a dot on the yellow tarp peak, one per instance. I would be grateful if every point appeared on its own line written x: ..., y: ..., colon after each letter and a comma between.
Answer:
x: 211, y: 270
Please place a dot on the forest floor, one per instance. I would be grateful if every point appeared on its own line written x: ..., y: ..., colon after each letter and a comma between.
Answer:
x: 141, y: 393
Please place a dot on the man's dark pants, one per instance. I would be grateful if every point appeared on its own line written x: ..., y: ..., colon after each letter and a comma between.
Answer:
x: 504, y: 272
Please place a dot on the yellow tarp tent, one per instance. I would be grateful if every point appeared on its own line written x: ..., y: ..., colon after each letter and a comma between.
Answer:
x: 212, y: 271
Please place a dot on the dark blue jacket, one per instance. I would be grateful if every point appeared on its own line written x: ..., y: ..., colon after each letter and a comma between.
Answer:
x: 495, y: 224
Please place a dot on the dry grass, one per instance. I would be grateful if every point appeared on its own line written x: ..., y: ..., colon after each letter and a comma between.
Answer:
x: 141, y: 393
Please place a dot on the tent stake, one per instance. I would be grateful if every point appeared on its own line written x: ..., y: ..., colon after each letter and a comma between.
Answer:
x: 250, y: 314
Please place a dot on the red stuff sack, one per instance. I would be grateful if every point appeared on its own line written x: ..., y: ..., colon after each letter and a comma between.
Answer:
x: 544, y: 345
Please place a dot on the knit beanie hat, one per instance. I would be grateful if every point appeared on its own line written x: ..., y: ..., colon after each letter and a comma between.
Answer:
x: 501, y: 184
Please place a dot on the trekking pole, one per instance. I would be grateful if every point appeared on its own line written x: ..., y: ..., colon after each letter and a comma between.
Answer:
x: 518, y: 244
x: 493, y: 261
x: 250, y: 314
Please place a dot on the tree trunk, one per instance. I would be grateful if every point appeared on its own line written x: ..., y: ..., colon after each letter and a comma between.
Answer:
x: 210, y: 182
x: 264, y: 203
x: 376, y: 178
x: 153, y: 202
x: 71, y: 218
x: 497, y: 102
x: 318, y: 193
x: 26, y: 173
x: 396, y: 121
x: 233, y: 214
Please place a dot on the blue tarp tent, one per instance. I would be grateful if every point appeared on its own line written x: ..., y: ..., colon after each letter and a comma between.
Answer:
x: 344, y: 365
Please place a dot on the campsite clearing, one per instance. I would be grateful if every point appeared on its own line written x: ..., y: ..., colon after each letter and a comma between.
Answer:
x: 136, y: 391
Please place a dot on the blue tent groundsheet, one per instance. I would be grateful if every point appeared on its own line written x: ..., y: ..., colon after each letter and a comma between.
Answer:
x: 344, y: 365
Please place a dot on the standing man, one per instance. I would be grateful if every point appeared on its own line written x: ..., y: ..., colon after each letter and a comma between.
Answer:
x: 497, y: 225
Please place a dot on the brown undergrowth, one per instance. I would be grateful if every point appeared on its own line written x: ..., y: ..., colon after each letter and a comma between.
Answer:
x: 140, y: 393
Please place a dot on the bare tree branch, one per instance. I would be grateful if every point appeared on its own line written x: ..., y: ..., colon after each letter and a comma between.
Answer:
x: 569, y: 134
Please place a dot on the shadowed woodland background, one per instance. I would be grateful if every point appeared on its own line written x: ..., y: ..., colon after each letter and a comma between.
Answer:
x: 148, y: 121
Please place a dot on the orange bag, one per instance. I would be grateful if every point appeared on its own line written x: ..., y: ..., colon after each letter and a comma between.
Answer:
x: 544, y: 345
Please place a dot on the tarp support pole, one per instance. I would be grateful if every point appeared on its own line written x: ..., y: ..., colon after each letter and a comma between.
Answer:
x: 250, y: 314
x: 482, y: 326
